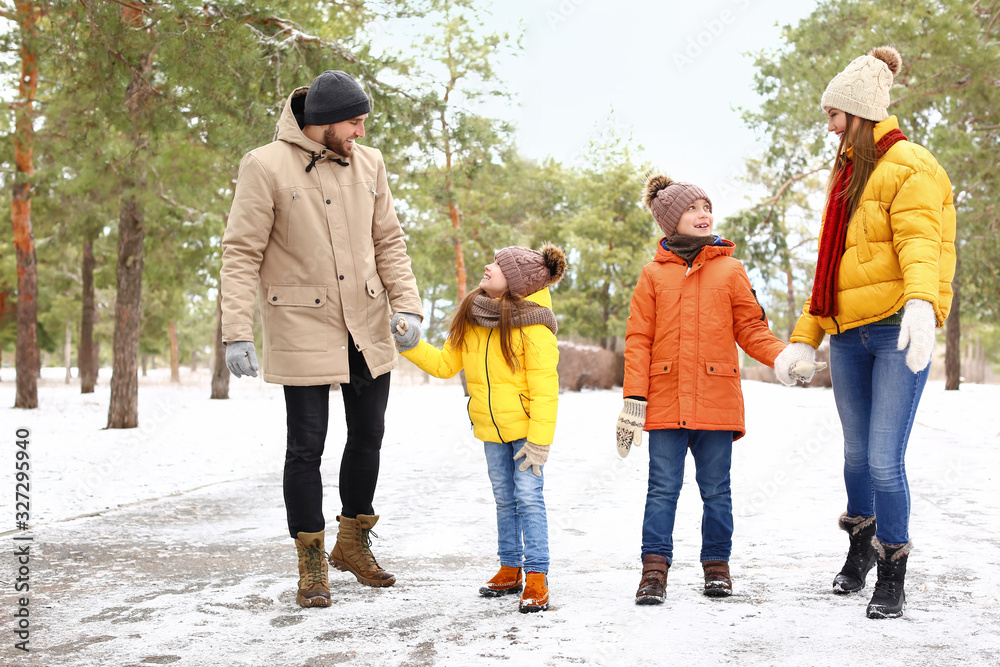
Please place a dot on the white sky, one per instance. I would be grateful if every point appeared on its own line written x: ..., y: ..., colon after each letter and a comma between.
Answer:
x: 674, y: 74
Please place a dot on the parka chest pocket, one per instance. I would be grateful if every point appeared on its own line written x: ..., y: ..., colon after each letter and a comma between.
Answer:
x: 865, y: 222
x: 296, y: 318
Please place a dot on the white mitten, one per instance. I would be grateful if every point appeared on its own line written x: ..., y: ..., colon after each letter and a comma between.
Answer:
x: 630, y: 422
x: 916, y: 333
x: 804, y: 370
x: 793, y: 354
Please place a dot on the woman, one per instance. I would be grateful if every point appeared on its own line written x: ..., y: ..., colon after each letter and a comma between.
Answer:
x: 883, y: 284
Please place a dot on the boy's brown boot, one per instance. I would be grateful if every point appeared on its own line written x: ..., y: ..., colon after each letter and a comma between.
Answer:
x: 352, y: 554
x: 536, y: 593
x: 508, y: 580
x: 653, y: 585
x: 314, y: 586
x: 717, y: 581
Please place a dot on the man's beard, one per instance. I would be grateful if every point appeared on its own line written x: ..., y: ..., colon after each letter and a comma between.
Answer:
x: 336, y: 144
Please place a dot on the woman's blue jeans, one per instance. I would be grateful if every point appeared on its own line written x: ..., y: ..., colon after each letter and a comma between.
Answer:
x: 713, y: 453
x: 877, y: 396
x: 522, y: 525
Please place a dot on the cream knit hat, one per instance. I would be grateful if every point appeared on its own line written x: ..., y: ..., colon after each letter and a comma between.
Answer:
x: 862, y: 89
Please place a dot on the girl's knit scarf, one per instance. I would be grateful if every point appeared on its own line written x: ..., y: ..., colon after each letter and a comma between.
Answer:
x: 486, y: 313
x: 823, y: 302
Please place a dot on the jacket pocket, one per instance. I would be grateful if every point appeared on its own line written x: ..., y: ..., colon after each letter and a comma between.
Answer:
x: 723, y: 368
x: 378, y: 308
x: 295, y: 318
x: 865, y: 222
x: 661, y: 367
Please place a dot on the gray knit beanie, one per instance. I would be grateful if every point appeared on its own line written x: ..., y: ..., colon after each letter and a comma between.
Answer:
x: 862, y: 89
x: 335, y: 96
x: 667, y: 200
x: 528, y: 271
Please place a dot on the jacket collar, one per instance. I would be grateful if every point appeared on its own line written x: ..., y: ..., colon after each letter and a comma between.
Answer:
x: 721, y: 248
x: 882, y: 128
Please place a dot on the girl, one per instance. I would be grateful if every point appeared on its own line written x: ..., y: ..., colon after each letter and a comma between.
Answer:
x: 504, y: 336
x: 883, y: 283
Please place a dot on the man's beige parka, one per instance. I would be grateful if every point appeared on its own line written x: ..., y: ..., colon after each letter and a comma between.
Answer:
x: 323, y: 249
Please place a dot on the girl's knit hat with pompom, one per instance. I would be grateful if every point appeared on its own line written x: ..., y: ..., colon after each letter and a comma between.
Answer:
x: 862, y: 89
x: 528, y: 271
x: 667, y: 200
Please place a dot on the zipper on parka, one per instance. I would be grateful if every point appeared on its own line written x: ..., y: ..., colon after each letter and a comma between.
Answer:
x: 489, y: 388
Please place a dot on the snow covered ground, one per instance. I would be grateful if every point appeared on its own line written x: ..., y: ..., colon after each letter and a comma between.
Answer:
x: 166, y: 544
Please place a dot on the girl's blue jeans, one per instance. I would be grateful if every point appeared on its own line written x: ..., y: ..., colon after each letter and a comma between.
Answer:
x: 713, y: 453
x: 877, y: 396
x: 522, y: 525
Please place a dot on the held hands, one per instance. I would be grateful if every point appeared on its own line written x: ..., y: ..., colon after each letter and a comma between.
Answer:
x: 241, y: 358
x: 534, y: 456
x: 796, y: 362
x: 916, y: 333
x: 406, y: 328
x: 630, y: 422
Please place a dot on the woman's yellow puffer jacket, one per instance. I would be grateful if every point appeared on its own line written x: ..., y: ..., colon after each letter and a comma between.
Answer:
x: 900, y: 243
x: 504, y: 406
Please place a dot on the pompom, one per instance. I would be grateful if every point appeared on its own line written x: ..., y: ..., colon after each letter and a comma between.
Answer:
x: 889, y: 56
x: 555, y: 261
x: 654, y: 184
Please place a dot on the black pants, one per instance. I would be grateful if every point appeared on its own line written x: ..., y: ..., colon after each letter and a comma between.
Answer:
x: 308, y: 412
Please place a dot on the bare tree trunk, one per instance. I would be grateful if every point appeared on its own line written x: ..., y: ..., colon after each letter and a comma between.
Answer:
x: 792, y: 319
x: 26, y: 356
x: 68, y: 352
x: 85, y: 357
x: 175, y: 362
x: 145, y: 364
x: 123, y: 411
x: 453, y: 212
x: 953, y: 335
x: 220, y: 373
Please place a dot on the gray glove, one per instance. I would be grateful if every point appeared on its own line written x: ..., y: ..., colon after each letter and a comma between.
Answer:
x: 241, y: 358
x: 534, y: 456
x: 406, y: 328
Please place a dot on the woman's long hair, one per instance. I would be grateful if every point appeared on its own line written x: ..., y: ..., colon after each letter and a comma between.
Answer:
x: 860, y: 137
x: 463, y: 318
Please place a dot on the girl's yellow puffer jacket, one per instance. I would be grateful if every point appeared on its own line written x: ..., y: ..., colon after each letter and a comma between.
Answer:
x: 504, y: 406
x: 900, y: 243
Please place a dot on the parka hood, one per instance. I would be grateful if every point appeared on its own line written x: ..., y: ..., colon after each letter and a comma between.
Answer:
x: 290, y: 124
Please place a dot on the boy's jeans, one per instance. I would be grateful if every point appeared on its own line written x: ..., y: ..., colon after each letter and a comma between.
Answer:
x: 877, y: 396
x: 713, y: 453
x: 520, y: 509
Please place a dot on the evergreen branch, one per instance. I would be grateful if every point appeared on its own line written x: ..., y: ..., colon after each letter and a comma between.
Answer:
x: 297, y: 36
x: 162, y: 194
x: 136, y: 72
x: 128, y: 5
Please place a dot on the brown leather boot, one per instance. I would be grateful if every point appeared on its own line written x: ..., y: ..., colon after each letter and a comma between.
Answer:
x: 314, y: 586
x: 653, y: 585
x: 508, y: 580
x: 536, y: 593
x: 717, y: 581
x: 352, y: 554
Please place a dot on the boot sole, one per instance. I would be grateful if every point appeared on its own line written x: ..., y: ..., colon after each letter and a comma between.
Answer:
x: 876, y: 614
x: 649, y: 599
x: 493, y: 593
x: 374, y: 583
x: 530, y: 609
x: 718, y: 592
x: 312, y: 602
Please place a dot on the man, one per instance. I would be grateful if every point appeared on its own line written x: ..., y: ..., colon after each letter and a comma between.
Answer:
x: 313, y: 228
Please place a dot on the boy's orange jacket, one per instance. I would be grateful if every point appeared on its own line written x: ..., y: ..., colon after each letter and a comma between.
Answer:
x: 680, y: 341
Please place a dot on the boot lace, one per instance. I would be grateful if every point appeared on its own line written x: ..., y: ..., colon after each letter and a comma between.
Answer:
x: 315, y: 560
x: 364, y: 547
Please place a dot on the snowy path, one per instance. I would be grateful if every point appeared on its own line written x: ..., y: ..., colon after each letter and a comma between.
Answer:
x: 204, y: 575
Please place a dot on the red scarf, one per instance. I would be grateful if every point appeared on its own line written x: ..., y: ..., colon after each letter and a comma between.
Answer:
x: 823, y: 302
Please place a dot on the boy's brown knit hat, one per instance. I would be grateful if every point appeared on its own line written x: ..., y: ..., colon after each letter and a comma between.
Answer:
x: 667, y: 200
x: 528, y: 271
